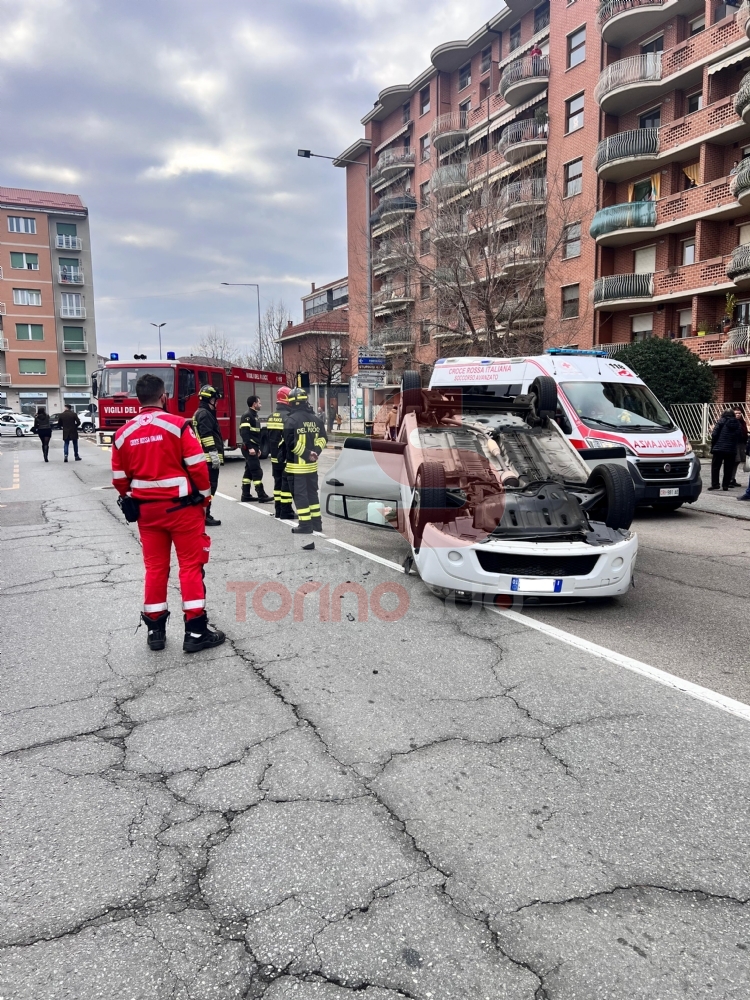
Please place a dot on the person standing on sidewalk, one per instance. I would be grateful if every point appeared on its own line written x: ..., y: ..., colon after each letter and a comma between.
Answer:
x: 70, y: 422
x: 43, y: 427
x: 740, y: 455
x: 725, y: 437
x: 159, y: 469
x: 208, y: 432
x: 304, y: 439
x: 282, y: 493
x: 251, y: 449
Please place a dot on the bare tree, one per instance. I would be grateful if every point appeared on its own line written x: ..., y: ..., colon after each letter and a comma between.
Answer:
x: 267, y: 354
x: 215, y: 345
x: 325, y: 355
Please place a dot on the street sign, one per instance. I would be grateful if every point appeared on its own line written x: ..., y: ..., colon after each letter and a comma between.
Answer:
x: 371, y: 361
x: 371, y: 379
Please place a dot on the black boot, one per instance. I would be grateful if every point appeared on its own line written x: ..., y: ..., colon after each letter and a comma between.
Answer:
x: 157, y: 630
x: 303, y: 528
x: 199, y: 635
x: 287, y: 514
x: 263, y: 497
x: 277, y: 508
x: 317, y: 523
x: 211, y: 521
x: 246, y: 497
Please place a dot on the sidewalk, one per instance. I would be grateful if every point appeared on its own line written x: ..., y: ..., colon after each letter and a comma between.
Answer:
x: 720, y: 502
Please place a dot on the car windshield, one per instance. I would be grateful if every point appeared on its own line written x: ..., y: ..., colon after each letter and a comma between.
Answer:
x: 619, y: 406
x: 121, y: 381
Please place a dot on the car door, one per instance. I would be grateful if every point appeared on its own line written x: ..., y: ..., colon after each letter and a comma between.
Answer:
x: 7, y: 425
x: 364, y: 483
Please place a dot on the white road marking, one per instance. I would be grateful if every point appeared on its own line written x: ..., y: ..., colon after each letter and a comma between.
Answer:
x: 225, y: 497
x: 712, y: 698
x: 367, y: 555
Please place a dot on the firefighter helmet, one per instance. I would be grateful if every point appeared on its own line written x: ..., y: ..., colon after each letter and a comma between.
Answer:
x: 282, y: 394
x: 208, y: 392
x: 297, y: 397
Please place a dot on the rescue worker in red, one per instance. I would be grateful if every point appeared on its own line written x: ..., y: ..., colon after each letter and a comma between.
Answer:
x: 160, y: 471
x: 304, y: 439
x: 282, y: 492
x: 250, y: 430
x: 208, y: 432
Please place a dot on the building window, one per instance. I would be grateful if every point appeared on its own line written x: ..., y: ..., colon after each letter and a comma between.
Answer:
x: 425, y: 289
x: 75, y: 373
x: 17, y: 224
x: 29, y: 331
x: 424, y: 194
x: 71, y: 305
x: 424, y: 148
x: 570, y: 301
x: 572, y: 240
x: 66, y: 229
x: 424, y: 332
x: 25, y: 261
x: 573, y: 177
x: 486, y: 59
x: 688, y: 251
x: 651, y: 119
x: 697, y: 25
x: 577, y: 47
x: 464, y: 76
x: 316, y: 304
x: 406, y: 112
x: 574, y: 113
x: 642, y: 326
x: 464, y: 109
x: 515, y: 37
x: 424, y: 241
x: 424, y: 100
x: 655, y: 45
x: 27, y: 297
x: 484, y: 90
x: 541, y: 17
x: 643, y: 190
x: 685, y: 322
x: 340, y: 297
x: 73, y: 338
x: 694, y: 103
x: 32, y: 366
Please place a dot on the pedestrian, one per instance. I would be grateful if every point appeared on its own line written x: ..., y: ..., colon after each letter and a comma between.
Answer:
x: 304, y: 439
x: 740, y: 454
x: 70, y: 422
x: 282, y: 493
x: 331, y: 415
x: 725, y: 437
x: 251, y: 449
x: 746, y: 494
x: 43, y: 427
x: 208, y: 432
x: 339, y: 421
x: 160, y: 471
x: 391, y: 422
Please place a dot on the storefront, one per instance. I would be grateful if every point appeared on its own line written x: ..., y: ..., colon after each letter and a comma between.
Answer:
x: 28, y: 402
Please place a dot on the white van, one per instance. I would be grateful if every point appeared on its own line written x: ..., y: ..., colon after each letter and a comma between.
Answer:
x: 602, y: 404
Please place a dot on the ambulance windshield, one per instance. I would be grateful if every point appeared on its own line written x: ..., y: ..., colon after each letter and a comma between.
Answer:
x: 617, y: 406
x: 121, y: 381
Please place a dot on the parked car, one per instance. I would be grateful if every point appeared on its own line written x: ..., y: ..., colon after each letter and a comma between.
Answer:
x: 19, y: 424
x: 87, y: 418
x: 491, y: 495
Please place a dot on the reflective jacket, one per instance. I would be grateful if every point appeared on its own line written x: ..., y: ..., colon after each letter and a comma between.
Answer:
x: 207, y: 430
x: 275, y: 425
x: 250, y: 431
x: 303, y: 434
x: 156, y: 456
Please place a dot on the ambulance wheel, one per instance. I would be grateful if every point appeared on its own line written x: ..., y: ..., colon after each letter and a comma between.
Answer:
x: 616, y: 507
x: 411, y: 392
x: 430, y: 499
x: 545, y: 390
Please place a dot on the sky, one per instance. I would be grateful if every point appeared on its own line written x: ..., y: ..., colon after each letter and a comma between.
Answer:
x: 178, y: 124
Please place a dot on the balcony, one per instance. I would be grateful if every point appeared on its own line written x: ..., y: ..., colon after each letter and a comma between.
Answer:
x: 4, y: 344
x: 392, y: 162
x: 69, y: 311
x: 521, y: 255
x: 738, y: 269
x: 389, y: 300
x: 68, y: 243
x: 5, y: 379
x: 75, y: 347
x: 449, y: 179
x: 740, y: 184
x: 450, y: 230
x: 520, y: 196
x: 449, y: 130
x: 524, y: 79
x: 629, y: 82
x: 2, y: 308
x: 391, y: 256
x: 622, y: 21
x: 627, y: 288
x: 621, y: 155
x: 76, y: 380
x: 523, y: 139
x: 616, y: 222
x: 393, y: 337
x: 737, y: 342
x: 70, y: 275
x: 394, y: 209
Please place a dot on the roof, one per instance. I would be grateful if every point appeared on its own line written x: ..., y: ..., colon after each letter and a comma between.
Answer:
x: 336, y: 321
x: 41, y: 199
x: 324, y: 288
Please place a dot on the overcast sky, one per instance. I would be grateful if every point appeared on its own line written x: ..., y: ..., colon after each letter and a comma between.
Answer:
x: 178, y: 122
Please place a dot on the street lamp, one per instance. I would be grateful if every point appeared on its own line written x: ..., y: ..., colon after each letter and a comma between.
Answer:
x: 251, y: 284
x: 158, y: 327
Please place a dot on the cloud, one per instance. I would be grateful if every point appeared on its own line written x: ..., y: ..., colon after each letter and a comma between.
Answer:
x: 49, y: 173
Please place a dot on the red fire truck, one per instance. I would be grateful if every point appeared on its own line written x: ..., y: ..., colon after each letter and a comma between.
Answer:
x: 114, y: 387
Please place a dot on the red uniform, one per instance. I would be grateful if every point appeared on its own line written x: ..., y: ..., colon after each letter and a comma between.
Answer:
x: 157, y: 459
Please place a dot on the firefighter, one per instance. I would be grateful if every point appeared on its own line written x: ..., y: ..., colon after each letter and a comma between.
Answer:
x: 208, y: 432
x: 251, y: 449
x: 304, y: 439
x: 159, y: 469
x: 282, y: 493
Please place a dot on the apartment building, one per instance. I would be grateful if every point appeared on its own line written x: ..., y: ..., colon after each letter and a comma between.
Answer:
x: 622, y: 123
x: 319, y: 345
x: 47, y: 331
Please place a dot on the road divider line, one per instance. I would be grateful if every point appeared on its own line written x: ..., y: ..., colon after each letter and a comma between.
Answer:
x: 713, y: 698
x: 363, y: 552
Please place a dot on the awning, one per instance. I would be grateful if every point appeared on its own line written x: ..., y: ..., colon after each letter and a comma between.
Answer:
x: 732, y: 60
x: 396, y: 135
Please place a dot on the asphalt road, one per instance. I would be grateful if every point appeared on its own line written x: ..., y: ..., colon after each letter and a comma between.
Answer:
x: 370, y: 792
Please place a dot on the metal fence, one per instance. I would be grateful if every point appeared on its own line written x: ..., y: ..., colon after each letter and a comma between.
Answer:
x: 697, y: 419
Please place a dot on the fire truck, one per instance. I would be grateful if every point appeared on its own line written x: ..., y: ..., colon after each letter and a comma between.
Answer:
x: 114, y: 387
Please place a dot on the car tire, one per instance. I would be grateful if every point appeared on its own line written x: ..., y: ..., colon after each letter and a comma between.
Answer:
x: 87, y: 429
x: 411, y: 392
x: 430, y: 499
x: 618, y: 506
x: 19, y: 432
x: 545, y: 390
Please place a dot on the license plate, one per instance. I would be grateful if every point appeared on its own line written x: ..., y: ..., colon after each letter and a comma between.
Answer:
x: 674, y: 492
x: 534, y: 585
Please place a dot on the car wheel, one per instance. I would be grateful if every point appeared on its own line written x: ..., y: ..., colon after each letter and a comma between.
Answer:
x: 430, y: 499
x: 88, y: 428
x: 411, y: 393
x: 617, y: 505
x: 545, y: 390
x: 19, y: 432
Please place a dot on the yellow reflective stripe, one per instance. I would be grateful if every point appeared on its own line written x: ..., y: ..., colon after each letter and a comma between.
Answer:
x: 246, y: 425
x: 207, y: 440
x: 321, y: 442
x: 299, y: 447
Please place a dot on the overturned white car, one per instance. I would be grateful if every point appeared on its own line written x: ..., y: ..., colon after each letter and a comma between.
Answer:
x: 491, y: 496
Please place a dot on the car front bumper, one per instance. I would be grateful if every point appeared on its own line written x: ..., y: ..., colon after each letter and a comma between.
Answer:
x: 648, y: 491
x: 439, y: 566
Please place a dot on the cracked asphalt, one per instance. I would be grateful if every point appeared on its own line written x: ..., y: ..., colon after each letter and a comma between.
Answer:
x: 445, y: 806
